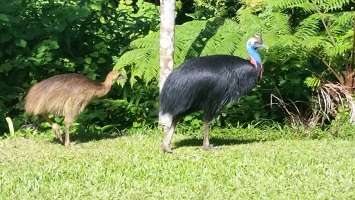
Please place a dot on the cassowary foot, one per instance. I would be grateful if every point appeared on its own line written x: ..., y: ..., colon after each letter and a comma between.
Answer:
x: 208, y: 147
x: 59, y: 137
x: 166, y: 148
x: 67, y: 144
x: 66, y: 141
x: 58, y: 133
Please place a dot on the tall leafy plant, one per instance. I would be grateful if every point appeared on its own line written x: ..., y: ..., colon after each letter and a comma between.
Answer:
x: 41, y: 38
x: 324, y: 36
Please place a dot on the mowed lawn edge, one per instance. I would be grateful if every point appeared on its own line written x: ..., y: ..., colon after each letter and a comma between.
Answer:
x: 133, y: 167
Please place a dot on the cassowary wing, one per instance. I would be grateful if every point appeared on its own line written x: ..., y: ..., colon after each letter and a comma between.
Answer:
x: 207, y: 84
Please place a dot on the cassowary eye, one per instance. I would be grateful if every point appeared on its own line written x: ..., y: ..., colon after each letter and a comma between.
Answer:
x: 258, y: 44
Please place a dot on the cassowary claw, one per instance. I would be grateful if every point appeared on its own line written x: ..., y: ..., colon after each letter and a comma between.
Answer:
x: 67, y: 144
x: 208, y: 147
x: 165, y: 148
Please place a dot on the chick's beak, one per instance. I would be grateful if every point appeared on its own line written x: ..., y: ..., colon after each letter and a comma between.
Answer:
x: 122, y: 77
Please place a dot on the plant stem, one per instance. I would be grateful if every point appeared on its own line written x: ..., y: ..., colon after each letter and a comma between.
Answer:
x: 11, y: 125
x: 326, y: 27
x: 327, y: 30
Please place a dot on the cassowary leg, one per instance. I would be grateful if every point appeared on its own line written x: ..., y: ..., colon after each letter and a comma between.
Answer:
x: 57, y: 132
x: 67, y: 123
x: 168, y: 124
x: 206, y: 141
x: 168, y: 137
x: 55, y: 128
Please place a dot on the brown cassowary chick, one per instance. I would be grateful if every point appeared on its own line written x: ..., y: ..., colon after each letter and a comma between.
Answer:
x: 66, y: 95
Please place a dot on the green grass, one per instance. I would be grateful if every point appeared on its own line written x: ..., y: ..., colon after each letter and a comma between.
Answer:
x: 246, y: 165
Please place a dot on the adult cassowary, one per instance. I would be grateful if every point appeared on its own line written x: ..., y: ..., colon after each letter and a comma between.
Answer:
x: 207, y: 84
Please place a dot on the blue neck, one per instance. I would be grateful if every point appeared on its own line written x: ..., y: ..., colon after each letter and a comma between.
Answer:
x: 254, y: 54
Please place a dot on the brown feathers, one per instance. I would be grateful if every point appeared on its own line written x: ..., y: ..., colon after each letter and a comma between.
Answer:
x: 66, y: 95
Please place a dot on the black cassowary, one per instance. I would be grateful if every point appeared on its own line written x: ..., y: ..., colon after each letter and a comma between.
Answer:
x: 207, y: 84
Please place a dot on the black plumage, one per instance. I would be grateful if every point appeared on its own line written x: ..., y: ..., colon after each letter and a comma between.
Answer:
x: 207, y: 84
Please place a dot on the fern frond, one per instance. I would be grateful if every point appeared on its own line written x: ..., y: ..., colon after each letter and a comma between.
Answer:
x: 142, y: 60
x: 309, y: 26
x: 312, y: 82
x: 345, y: 18
x: 313, y: 42
x: 310, y: 6
x: 306, y: 5
x: 332, y: 5
x: 285, y: 3
x: 189, y: 38
x: 277, y: 22
x: 225, y: 41
x: 339, y: 50
x: 341, y: 22
x: 148, y: 41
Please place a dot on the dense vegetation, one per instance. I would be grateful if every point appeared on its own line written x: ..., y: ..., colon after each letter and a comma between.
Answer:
x: 310, y: 45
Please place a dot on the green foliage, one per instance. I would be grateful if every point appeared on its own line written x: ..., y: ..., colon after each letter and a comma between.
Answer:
x: 340, y: 126
x: 205, y: 9
x: 312, y: 82
x: 128, y: 111
x: 324, y: 35
x: 311, y: 6
x: 43, y: 38
x: 142, y: 58
x: 323, y: 38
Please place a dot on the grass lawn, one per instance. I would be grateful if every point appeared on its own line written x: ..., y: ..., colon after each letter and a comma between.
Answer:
x: 132, y: 167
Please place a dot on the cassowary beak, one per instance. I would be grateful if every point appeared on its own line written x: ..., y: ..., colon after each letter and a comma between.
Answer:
x: 261, y: 45
x: 264, y: 46
x: 121, y: 79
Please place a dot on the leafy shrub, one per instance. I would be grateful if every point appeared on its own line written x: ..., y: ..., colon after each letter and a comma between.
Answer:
x: 43, y: 38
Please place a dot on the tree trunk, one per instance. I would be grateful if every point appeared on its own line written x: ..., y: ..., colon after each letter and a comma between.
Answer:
x: 352, y: 78
x: 167, y: 25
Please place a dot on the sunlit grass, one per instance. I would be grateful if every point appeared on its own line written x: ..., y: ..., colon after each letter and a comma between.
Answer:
x: 254, y: 165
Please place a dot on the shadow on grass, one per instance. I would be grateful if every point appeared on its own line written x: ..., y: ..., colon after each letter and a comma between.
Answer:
x: 88, y: 136
x: 215, y: 141
x: 94, y: 136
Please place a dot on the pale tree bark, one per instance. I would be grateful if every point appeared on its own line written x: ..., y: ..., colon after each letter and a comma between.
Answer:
x: 352, y: 65
x: 167, y: 27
